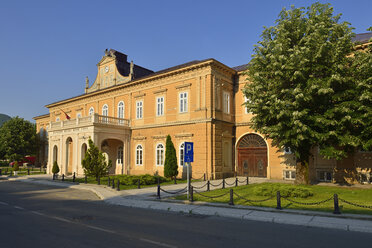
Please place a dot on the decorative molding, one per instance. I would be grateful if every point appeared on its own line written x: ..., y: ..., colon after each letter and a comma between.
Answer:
x: 159, y: 136
x: 140, y: 95
x: 159, y: 91
x: 184, y: 135
x: 182, y: 86
x: 139, y: 138
x: 78, y: 109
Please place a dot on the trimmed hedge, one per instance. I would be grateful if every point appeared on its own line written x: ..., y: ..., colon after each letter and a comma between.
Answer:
x: 285, y: 190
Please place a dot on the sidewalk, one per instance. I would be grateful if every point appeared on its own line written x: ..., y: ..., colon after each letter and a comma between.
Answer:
x: 146, y: 198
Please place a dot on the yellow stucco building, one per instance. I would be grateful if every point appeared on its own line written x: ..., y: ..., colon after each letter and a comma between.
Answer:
x: 128, y: 111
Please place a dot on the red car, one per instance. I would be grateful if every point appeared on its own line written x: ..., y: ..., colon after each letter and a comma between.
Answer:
x: 27, y: 159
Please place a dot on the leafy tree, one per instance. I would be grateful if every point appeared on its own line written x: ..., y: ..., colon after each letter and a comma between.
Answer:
x: 55, y: 168
x: 94, y: 162
x: 170, y: 163
x: 17, y: 139
x: 300, y: 84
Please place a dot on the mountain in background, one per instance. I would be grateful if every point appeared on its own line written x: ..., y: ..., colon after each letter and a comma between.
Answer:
x: 4, y: 118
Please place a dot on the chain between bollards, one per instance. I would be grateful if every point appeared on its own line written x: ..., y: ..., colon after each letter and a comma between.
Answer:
x: 231, y: 202
x: 278, y: 201
x: 336, y: 206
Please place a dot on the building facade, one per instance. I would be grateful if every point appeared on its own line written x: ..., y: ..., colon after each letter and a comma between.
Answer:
x: 128, y: 111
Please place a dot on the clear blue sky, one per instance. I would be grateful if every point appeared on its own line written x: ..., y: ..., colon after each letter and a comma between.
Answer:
x: 48, y: 47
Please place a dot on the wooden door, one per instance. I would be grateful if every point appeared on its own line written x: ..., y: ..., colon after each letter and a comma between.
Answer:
x: 252, y: 162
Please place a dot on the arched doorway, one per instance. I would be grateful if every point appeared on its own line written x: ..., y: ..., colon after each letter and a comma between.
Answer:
x: 69, y: 154
x: 252, y: 156
x: 113, y: 149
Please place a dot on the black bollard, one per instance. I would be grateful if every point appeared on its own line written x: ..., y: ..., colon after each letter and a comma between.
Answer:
x: 247, y: 180
x: 336, y: 206
x: 0, y: 172
x: 158, y: 192
x: 73, y: 178
x: 175, y: 180
x: 158, y: 180
x: 278, y: 201
x: 118, y: 186
x: 28, y: 171
x: 139, y: 184
x: 40, y: 168
x: 231, y: 202
x: 63, y: 177
x: 208, y: 185
x: 54, y: 176
x: 191, y: 193
x: 6, y: 171
x: 108, y: 182
x: 85, y: 179
x: 113, y: 183
x: 236, y: 182
x: 98, y: 180
x: 204, y: 177
x: 223, y: 183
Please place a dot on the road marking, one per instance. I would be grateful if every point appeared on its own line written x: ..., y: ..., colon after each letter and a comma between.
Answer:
x: 17, y: 207
x: 61, y: 219
x: 38, y: 213
x: 4, y: 203
x: 157, y: 243
x: 100, y: 229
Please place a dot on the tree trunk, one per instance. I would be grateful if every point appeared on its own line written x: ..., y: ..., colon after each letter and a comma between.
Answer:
x: 302, y: 172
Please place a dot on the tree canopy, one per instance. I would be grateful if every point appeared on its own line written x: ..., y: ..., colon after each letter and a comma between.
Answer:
x: 302, y: 88
x: 94, y: 162
x: 17, y: 139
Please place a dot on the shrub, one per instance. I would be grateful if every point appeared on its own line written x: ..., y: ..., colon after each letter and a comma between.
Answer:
x: 144, y: 179
x: 170, y: 164
x: 94, y: 162
x: 285, y: 190
x: 55, y: 168
x: 15, y: 166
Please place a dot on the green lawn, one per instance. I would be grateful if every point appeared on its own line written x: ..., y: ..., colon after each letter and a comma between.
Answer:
x: 22, y: 171
x: 104, y: 181
x: 320, y: 193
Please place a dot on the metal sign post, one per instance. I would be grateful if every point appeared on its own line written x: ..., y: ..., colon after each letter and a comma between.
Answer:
x: 189, y: 157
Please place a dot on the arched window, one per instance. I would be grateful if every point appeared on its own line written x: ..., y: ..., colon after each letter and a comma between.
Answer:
x: 121, y: 110
x: 105, y: 110
x: 139, y: 154
x: 91, y: 111
x: 182, y: 154
x: 120, y: 155
x: 160, y: 155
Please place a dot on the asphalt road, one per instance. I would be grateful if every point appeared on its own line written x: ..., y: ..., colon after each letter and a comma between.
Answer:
x: 45, y: 216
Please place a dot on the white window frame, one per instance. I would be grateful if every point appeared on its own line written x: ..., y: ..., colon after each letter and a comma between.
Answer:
x: 183, y: 102
x: 105, y: 110
x: 120, y: 155
x: 226, y: 102
x: 181, y: 151
x: 139, y: 109
x: 91, y: 111
x: 160, y: 106
x: 139, y: 155
x: 159, y: 154
x: 291, y: 174
x: 121, y: 106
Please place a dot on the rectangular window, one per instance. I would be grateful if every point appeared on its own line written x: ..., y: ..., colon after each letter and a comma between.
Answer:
x: 139, y: 109
x: 245, y: 108
x: 226, y: 102
x: 325, y: 176
x: 160, y: 106
x: 289, y: 175
x: 183, y: 102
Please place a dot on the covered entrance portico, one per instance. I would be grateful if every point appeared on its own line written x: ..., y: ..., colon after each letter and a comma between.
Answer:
x: 252, y: 156
x: 69, y: 143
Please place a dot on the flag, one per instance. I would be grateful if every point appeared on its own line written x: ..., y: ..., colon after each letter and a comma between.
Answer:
x: 67, y: 116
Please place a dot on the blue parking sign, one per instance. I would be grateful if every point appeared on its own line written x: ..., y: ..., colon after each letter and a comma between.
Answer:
x: 189, y: 152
